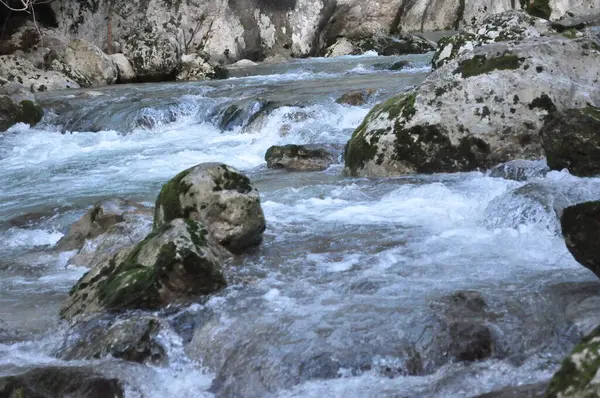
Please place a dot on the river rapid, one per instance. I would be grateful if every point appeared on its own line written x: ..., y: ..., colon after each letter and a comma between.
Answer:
x: 343, y: 291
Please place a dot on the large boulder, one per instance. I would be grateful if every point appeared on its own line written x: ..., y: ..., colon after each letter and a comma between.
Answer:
x: 220, y: 197
x: 91, y: 62
x: 22, y: 71
x: 479, y: 110
x: 104, y: 215
x: 174, y: 264
x: 577, y: 375
x: 571, y: 141
x: 382, y: 45
x: 508, y: 26
x: 578, y: 18
x: 196, y: 67
x: 59, y: 382
x: 13, y: 110
x: 299, y: 157
x: 126, y: 74
x: 154, y: 55
x: 131, y: 338
x: 581, y: 229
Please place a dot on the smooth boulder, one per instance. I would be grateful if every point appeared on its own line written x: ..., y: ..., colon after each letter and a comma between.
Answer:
x: 125, y: 72
x: 91, y: 62
x: 581, y: 230
x: 479, y: 110
x: 577, y: 376
x: 571, y: 141
x: 220, y: 197
x: 299, y: 157
x: 174, y: 264
x: 507, y: 26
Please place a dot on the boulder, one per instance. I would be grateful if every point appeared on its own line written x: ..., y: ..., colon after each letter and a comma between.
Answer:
x: 343, y: 46
x: 154, y: 55
x: 91, y: 62
x: 300, y: 157
x: 577, y: 374
x: 508, y: 26
x: 196, y: 67
x: 59, y: 382
x: 24, y: 111
x: 581, y: 228
x: 571, y: 141
x: 126, y: 74
x: 382, y: 45
x: 355, y: 97
x: 520, y: 170
x: 174, y: 264
x: 22, y: 71
x: 98, y: 220
x: 479, y: 110
x: 132, y: 338
x: 578, y: 18
x: 220, y: 197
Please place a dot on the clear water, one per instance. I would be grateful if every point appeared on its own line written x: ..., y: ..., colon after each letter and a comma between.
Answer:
x: 349, y: 268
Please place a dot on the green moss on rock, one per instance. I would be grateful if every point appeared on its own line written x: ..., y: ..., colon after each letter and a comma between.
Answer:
x: 480, y: 64
x: 169, y: 198
x: 592, y: 111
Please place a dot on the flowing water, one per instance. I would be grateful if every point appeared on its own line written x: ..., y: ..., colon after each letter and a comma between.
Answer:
x: 342, y: 291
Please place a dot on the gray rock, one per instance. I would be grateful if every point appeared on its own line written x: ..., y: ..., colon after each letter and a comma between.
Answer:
x: 131, y: 338
x: 508, y: 26
x: 20, y: 70
x: 571, y: 141
x: 91, y: 62
x: 98, y: 220
x: 382, y: 45
x: 537, y: 390
x: 126, y: 74
x: 220, y: 197
x: 59, y: 382
x: 176, y: 263
x: 356, y: 97
x: 24, y: 111
x: 300, y: 157
x: 581, y: 228
x: 479, y: 110
x: 196, y: 67
x: 154, y: 56
x: 578, y: 18
x: 520, y: 170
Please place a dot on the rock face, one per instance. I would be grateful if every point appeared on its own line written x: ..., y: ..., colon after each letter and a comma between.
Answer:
x: 98, y: 220
x: 175, y: 263
x: 55, y: 382
x: 481, y: 109
x: 22, y: 71
x: 299, y: 157
x: 576, y: 376
x: 221, y: 198
x: 17, y: 107
x: 131, y: 339
x: 507, y: 26
x: 581, y: 228
x: 571, y: 141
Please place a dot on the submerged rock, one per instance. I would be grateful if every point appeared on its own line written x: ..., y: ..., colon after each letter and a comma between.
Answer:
x: 355, y: 97
x: 98, y: 220
x: 512, y: 25
x: 484, y: 108
x: 220, y: 197
x: 571, y: 141
x: 174, y: 264
x: 60, y: 382
x: 133, y: 338
x: 520, y: 170
x: 299, y: 157
x: 577, y: 374
x: 581, y: 229
x: 25, y: 111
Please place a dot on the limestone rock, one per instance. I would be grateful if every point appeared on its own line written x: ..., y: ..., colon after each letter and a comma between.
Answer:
x: 98, y: 220
x: 154, y: 56
x: 126, y: 74
x: 220, y: 197
x: 56, y: 381
x: 578, y: 18
x: 174, y: 264
x: 571, y: 141
x: 91, y: 62
x: 15, y: 111
x: 382, y: 45
x: 507, y: 26
x: 479, y: 110
x: 195, y: 67
x: 356, y: 97
x: 581, y: 228
x: 299, y: 157
x: 22, y: 71
x: 577, y: 374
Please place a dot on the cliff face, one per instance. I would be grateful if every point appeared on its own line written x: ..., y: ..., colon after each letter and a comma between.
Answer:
x: 229, y: 30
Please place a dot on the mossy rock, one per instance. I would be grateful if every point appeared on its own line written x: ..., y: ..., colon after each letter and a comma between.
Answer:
x: 575, y: 378
x: 174, y: 264
x: 25, y: 111
x: 480, y: 64
x: 299, y: 157
x: 220, y: 197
